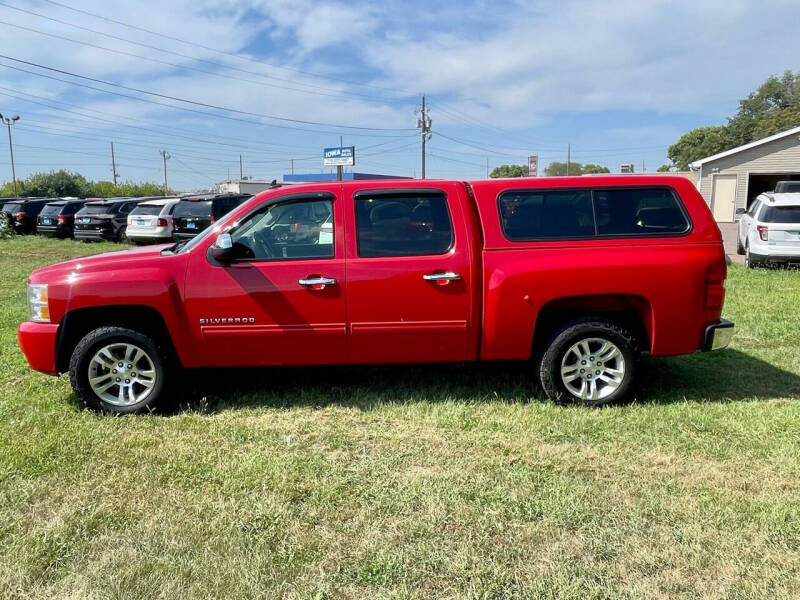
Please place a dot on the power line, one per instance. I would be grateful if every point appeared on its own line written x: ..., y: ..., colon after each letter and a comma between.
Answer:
x: 185, y: 100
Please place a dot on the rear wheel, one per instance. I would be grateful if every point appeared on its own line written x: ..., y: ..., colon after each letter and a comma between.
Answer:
x: 122, y: 234
x: 118, y: 370
x: 748, y: 259
x: 739, y: 247
x: 590, y: 361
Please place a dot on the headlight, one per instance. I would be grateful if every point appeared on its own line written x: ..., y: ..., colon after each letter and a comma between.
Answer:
x: 37, y: 302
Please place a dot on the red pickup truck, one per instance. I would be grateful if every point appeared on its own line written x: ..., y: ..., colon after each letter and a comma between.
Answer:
x: 581, y: 276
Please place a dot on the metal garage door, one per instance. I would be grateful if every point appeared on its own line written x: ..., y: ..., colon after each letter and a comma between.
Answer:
x: 723, y: 198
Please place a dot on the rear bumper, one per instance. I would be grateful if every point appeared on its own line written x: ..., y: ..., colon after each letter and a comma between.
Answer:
x: 93, y: 234
x: 38, y: 343
x: 777, y: 259
x: 144, y: 236
x: 53, y: 230
x: 718, y: 335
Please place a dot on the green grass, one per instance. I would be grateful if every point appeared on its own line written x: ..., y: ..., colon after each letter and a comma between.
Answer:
x: 441, y: 482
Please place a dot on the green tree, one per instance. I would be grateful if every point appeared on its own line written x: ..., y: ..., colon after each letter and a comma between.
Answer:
x: 63, y: 183
x: 771, y: 98
x: 780, y: 120
x: 699, y: 143
x: 509, y: 171
x: 664, y: 169
x: 560, y: 168
x: 591, y: 169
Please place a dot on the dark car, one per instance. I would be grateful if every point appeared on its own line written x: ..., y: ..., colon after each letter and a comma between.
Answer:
x: 21, y: 213
x: 194, y: 213
x: 785, y: 187
x: 58, y: 218
x: 104, y: 219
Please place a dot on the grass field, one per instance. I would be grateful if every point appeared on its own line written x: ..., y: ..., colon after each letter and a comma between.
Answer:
x: 441, y: 482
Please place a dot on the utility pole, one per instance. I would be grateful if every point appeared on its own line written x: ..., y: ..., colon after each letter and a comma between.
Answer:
x: 568, y: 157
x: 166, y: 156
x: 642, y: 165
x: 424, y: 125
x: 113, y: 164
x: 241, y: 170
x: 487, y: 167
x: 339, y: 167
x: 292, y: 166
x: 9, y: 122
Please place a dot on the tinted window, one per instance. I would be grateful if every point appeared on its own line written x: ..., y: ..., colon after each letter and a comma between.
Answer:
x: 72, y: 208
x: 403, y: 225
x: 781, y: 214
x: 11, y: 207
x: 546, y: 214
x: 51, y: 210
x: 97, y: 209
x: 290, y: 230
x: 754, y: 209
x: 147, y: 209
x: 638, y: 211
x: 193, y: 208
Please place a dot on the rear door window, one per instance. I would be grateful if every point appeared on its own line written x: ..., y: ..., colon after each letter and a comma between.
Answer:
x: 546, y: 214
x: 403, y: 224
x: 636, y: 211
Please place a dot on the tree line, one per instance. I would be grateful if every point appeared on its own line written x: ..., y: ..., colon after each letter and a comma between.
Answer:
x: 57, y: 184
x: 551, y: 170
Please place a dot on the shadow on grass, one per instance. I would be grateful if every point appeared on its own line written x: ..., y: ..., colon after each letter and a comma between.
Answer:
x: 709, y: 377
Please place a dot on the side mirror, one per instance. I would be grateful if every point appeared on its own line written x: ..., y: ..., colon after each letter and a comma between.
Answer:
x: 740, y: 211
x: 222, y: 250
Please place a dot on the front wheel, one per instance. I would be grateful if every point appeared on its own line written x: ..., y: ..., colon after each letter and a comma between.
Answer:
x: 118, y: 370
x: 590, y: 361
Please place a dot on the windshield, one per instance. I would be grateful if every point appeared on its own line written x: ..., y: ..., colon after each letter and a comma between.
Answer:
x: 51, y: 209
x: 193, y: 208
x: 97, y: 209
x: 781, y: 214
x: 147, y: 209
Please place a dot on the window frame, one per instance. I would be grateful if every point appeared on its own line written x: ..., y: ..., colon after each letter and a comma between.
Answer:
x: 403, y: 193
x: 287, y: 199
x: 597, y: 235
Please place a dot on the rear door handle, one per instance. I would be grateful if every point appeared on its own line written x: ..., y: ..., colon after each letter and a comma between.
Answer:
x: 317, y: 283
x: 447, y: 276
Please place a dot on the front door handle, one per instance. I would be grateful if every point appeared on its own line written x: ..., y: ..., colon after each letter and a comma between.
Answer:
x: 447, y: 276
x: 317, y: 283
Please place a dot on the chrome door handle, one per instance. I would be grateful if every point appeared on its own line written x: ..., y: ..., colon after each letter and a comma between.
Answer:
x: 448, y: 276
x: 319, y: 282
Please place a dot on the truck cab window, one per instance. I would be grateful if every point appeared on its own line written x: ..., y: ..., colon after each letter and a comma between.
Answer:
x: 287, y: 230
x: 403, y: 225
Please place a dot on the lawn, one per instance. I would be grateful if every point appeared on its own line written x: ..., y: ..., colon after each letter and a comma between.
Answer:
x: 440, y: 482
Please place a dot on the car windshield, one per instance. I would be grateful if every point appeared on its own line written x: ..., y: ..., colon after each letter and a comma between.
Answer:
x: 147, y: 209
x: 51, y: 209
x: 781, y: 214
x: 193, y: 208
x: 97, y: 209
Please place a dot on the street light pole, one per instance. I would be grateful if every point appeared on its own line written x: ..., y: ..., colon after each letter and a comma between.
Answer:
x: 165, y: 155
x: 9, y: 122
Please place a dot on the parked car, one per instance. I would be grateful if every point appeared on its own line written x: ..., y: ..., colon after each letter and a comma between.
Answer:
x: 57, y: 218
x: 783, y: 187
x: 194, y: 213
x: 21, y: 213
x: 579, y: 276
x: 769, y: 232
x: 104, y: 219
x: 151, y: 221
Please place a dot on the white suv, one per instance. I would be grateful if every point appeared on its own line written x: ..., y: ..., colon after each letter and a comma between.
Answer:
x: 151, y: 221
x: 769, y: 232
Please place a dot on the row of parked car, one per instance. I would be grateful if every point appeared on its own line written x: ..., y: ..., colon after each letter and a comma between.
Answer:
x: 150, y: 220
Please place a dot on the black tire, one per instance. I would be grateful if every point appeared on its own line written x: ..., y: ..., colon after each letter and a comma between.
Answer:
x: 739, y: 247
x: 122, y: 234
x: 570, y: 334
x: 748, y: 260
x: 93, y: 341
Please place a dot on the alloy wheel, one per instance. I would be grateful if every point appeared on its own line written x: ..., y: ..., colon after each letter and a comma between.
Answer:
x: 121, y: 374
x: 592, y: 369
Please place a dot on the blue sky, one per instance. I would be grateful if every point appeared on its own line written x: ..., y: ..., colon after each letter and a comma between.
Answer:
x: 618, y: 80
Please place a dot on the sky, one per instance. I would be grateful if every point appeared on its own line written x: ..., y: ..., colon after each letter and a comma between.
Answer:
x: 276, y: 81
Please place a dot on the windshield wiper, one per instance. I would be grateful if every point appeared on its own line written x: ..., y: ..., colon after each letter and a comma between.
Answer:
x: 175, y: 247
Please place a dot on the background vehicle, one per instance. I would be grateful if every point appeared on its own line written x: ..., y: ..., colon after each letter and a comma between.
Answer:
x: 783, y: 187
x: 151, y: 221
x: 579, y: 276
x: 194, y: 213
x: 57, y: 219
x: 769, y: 232
x: 104, y: 219
x: 21, y: 213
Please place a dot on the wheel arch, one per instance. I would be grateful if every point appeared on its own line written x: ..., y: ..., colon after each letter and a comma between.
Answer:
x: 78, y: 322
x: 631, y: 311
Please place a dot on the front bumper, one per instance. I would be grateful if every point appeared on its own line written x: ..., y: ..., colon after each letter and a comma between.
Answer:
x: 718, y: 335
x: 38, y: 343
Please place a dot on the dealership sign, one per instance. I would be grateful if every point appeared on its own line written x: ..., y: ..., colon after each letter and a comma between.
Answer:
x: 533, y: 165
x: 339, y: 157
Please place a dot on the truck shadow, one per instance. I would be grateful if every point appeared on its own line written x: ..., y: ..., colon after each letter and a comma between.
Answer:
x: 724, y: 376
